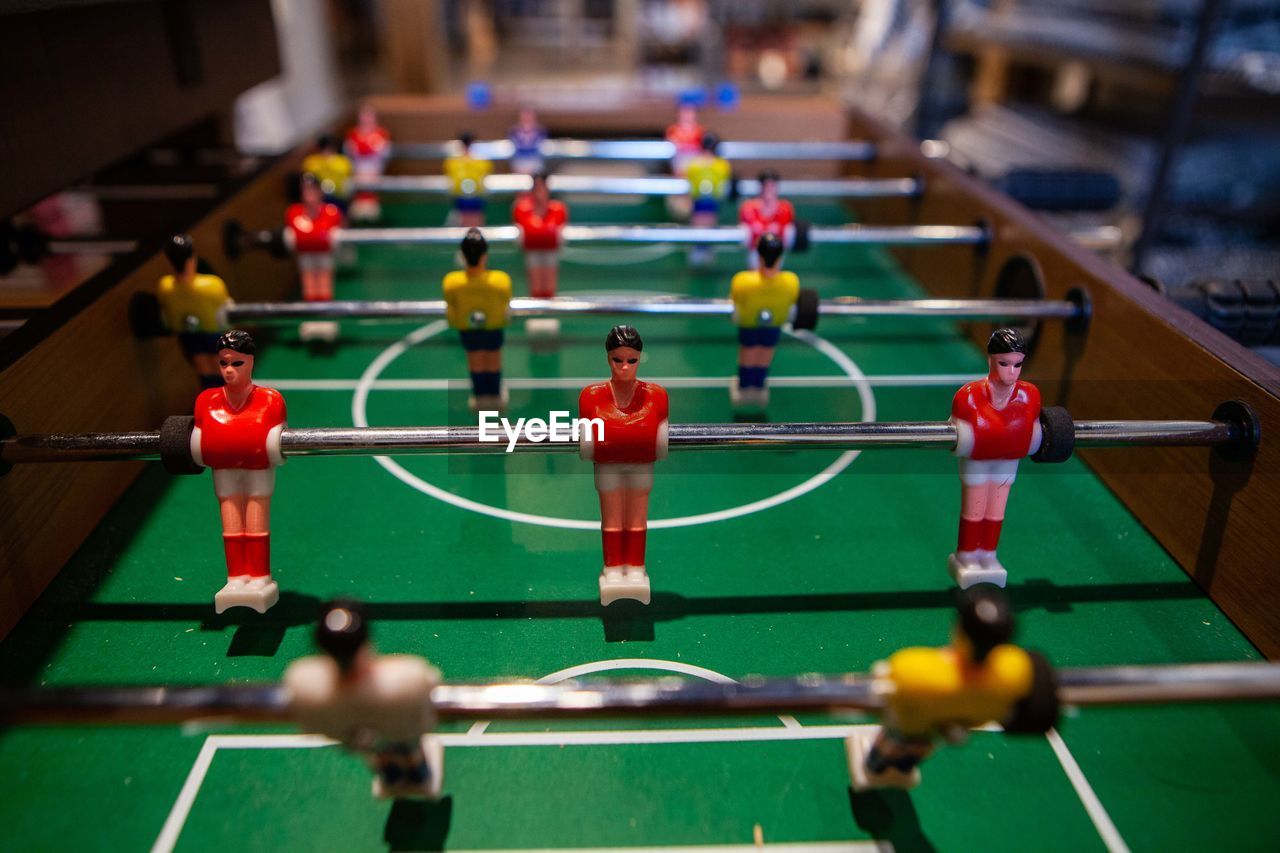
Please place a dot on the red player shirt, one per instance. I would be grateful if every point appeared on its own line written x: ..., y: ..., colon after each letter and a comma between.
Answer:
x: 365, y: 145
x: 539, y: 233
x: 998, y: 433
x: 237, y: 439
x: 312, y: 235
x: 630, y: 434
x: 753, y: 217
x: 686, y: 138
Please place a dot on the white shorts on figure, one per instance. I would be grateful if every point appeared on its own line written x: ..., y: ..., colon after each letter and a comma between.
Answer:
x: 611, y: 476
x: 541, y: 258
x: 980, y: 472
x: 254, y: 482
x: 315, y: 261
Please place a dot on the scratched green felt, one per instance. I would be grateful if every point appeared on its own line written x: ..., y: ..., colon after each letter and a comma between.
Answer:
x: 832, y: 580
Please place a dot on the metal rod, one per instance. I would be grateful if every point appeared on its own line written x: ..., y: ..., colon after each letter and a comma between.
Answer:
x: 668, y: 696
x: 511, y: 184
x: 640, y: 149
x: 878, y: 235
x: 376, y: 441
x: 844, y: 306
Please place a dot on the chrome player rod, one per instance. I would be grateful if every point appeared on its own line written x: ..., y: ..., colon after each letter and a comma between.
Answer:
x: 656, y: 186
x: 844, y: 306
x: 379, y: 441
x: 638, y: 149
x: 668, y: 696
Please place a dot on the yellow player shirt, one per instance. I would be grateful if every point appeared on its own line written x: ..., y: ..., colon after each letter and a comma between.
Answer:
x: 760, y: 300
x: 333, y: 170
x: 466, y: 174
x: 193, y: 306
x: 708, y: 177
x: 933, y: 689
x: 477, y: 301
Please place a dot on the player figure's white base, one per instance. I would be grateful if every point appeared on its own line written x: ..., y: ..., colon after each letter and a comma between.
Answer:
x: 967, y: 573
x: 624, y: 582
x: 365, y: 210
x: 433, y: 749
x: 489, y: 402
x: 318, y: 330
x: 858, y: 747
x: 542, y: 327
x: 748, y: 399
x: 260, y: 593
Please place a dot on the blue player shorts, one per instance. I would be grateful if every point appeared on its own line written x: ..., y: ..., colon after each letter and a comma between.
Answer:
x: 706, y: 205
x: 469, y: 203
x: 199, y: 343
x: 481, y: 339
x: 760, y: 336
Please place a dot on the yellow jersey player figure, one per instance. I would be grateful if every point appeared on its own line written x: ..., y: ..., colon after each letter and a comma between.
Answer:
x: 929, y: 693
x: 376, y: 705
x: 476, y: 300
x: 710, y: 181
x: 333, y: 169
x: 194, y: 307
x: 763, y: 301
x: 466, y: 176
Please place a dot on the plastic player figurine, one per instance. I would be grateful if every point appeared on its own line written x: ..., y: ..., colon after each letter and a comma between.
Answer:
x: 308, y: 232
x: 194, y: 306
x: 376, y: 705
x: 998, y: 422
x: 541, y: 219
x: 710, y: 179
x: 686, y: 135
x: 237, y: 434
x: 369, y: 146
x: 526, y: 137
x: 466, y: 179
x: 333, y: 169
x: 763, y: 301
x: 944, y: 692
x: 477, y: 300
x: 635, y: 418
x: 765, y: 214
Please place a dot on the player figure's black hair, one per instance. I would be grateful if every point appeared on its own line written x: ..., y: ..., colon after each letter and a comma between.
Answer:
x: 237, y: 340
x: 180, y: 249
x: 710, y: 142
x: 466, y: 138
x: 1006, y: 340
x: 541, y: 176
x: 768, y: 175
x: 985, y: 618
x: 327, y: 142
x: 623, y: 336
x: 343, y: 630
x: 474, y: 247
x: 309, y: 179
x: 769, y: 248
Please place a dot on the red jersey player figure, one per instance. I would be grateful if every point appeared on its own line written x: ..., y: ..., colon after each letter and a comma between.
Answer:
x: 237, y: 434
x: 369, y: 146
x: 634, y: 437
x: 541, y: 219
x: 686, y: 136
x: 376, y: 705
x: 765, y: 214
x: 308, y: 232
x: 997, y: 422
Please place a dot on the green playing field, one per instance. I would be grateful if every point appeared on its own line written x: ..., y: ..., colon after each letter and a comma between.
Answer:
x: 766, y: 562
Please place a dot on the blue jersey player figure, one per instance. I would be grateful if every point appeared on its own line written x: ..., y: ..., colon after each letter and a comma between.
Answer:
x: 376, y: 705
x: 526, y: 137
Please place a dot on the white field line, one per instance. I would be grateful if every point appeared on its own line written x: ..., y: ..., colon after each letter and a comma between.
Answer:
x: 575, y: 383
x: 1101, y: 820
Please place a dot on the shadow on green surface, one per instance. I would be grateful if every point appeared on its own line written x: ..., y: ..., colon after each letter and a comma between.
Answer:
x: 415, y: 825
x: 889, y: 816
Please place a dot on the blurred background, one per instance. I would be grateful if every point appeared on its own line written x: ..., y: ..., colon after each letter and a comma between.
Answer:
x: 1173, y: 105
